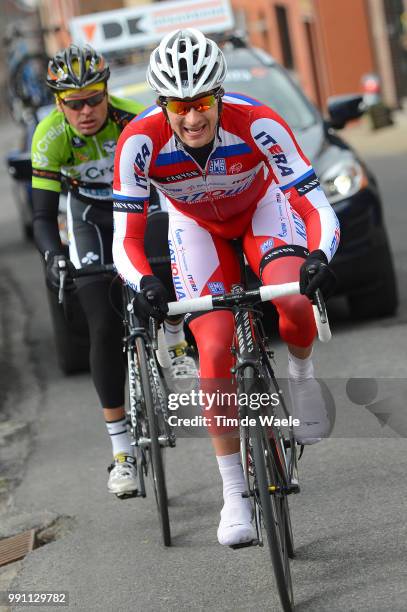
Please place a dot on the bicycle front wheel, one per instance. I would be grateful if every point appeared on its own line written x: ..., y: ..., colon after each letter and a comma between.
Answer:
x: 277, y: 465
x: 288, y: 530
x: 156, y: 460
x: 274, y: 521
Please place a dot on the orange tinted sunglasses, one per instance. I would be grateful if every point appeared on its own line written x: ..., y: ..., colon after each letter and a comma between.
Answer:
x: 182, y: 107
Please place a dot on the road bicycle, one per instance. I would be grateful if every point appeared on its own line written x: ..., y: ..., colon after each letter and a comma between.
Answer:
x: 147, y: 391
x: 268, y: 453
x: 26, y: 65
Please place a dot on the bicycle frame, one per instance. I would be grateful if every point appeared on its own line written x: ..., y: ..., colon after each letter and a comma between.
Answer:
x: 252, y: 359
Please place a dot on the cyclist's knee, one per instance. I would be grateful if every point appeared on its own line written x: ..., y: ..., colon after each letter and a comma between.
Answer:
x: 213, y: 333
x: 296, y: 320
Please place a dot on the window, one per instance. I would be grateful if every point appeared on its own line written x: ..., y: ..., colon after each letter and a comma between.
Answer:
x: 263, y: 29
x: 284, y: 34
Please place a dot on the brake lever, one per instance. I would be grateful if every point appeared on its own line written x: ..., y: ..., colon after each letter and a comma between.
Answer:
x: 62, y: 277
x: 153, y: 327
x: 319, y: 302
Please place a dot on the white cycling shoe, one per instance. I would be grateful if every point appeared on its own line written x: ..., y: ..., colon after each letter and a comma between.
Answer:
x: 183, y: 367
x: 122, y: 475
x: 312, y: 408
x: 235, y: 525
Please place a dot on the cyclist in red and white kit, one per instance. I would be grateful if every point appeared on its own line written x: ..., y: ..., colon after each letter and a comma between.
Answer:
x: 229, y: 167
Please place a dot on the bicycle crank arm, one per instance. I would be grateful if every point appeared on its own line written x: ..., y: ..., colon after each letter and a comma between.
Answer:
x: 290, y: 488
x: 254, y: 542
x: 143, y: 442
x: 131, y: 494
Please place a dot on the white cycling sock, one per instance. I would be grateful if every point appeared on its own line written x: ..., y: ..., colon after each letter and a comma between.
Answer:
x: 235, y: 524
x: 300, y: 368
x: 174, y: 332
x: 119, y: 437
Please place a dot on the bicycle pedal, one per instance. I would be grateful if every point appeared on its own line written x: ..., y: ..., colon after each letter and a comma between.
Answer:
x: 254, y: 542
x: 191, y: 352
x: 128, y: 495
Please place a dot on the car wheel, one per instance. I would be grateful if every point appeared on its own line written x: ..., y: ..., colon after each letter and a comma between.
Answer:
x: 71, y: 336
x: 24, y: 206
x: 382, y: 299
x: 27, y: 231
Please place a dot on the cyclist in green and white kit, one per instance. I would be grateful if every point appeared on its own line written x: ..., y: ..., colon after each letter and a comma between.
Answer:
x: 74, y: 147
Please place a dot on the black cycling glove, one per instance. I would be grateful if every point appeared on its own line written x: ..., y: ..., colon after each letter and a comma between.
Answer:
x: 315, y: 273
x: 152, y: 301
x: 52, y: 271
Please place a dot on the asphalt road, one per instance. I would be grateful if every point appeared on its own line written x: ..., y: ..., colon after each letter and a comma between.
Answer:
x: 349, y: 521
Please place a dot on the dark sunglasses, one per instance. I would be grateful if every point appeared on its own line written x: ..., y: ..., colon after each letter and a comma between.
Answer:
x: 78, y: 105
x: 182, y: 107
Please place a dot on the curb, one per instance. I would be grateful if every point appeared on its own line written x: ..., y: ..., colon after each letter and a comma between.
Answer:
x: 22, y: 389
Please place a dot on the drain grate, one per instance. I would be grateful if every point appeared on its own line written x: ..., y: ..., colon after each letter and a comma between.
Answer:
x: 15, y: 548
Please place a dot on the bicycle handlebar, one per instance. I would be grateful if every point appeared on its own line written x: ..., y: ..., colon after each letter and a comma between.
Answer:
x: 263, y: 294
x: 210, y: 302
x: 79, y: 273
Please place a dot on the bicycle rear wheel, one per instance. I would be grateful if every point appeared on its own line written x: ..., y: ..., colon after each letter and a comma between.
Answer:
x: 156, y: 460
x: 273, y: 518
x: 26, y: 81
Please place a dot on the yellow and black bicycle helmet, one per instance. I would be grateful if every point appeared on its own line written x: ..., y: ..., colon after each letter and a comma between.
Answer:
x: 76, y: 67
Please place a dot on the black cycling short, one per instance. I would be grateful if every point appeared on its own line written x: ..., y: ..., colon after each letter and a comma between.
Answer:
x: 90, y: 227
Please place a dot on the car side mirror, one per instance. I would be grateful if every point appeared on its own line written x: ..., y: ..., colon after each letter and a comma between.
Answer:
x: 19, y: 167
x: 342, y: 109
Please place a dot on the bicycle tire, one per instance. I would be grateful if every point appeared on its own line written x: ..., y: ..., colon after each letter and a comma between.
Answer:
x: 16, y: 81
x: 157, y: 467
x: 282, y: 478
x: 276, y: 450
x: 289, y: 538
x: 273, y: 520
x: 139, y: 426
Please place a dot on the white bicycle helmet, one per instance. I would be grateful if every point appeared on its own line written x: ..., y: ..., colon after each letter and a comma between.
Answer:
x: 185, y: 64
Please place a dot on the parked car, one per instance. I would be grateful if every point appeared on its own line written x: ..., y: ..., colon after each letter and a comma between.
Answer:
x: 363, y: 263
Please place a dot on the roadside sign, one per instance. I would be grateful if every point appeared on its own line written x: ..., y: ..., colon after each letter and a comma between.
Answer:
x: 141, y: 25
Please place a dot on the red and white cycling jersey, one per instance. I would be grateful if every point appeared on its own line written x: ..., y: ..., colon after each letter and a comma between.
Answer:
x: 254, y: 152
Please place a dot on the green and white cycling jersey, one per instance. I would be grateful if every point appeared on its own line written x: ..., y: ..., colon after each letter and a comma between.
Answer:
x: 60, y: 154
